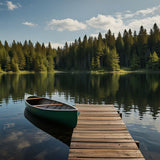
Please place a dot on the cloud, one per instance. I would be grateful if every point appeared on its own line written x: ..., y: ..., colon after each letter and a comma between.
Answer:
x: 127, y: 20
x: 143, y: 12
x: 106, y: 22
x: 8, y: 125
x: 55, y: 45
x: 146, y: 22
x: 14, y: 136
x: 66, y: 24
x: 94, y: 35
x: 23, y: 144
x: 12, y: 6
x: 30, y: 24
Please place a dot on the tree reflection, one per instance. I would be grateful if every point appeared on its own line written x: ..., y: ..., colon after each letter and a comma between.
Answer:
x: 131, y: 91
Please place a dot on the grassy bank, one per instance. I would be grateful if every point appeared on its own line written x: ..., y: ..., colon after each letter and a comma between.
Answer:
x: 26, y: 72
x: 100, y: 71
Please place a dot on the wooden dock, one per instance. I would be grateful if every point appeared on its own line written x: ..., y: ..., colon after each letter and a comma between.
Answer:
x: 101, y: 134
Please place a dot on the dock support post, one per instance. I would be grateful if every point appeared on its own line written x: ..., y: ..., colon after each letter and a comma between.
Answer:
x: 137, y: 143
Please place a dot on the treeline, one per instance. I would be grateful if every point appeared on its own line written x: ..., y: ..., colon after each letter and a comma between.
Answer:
x: 131, y: 50
x: 26, y: 56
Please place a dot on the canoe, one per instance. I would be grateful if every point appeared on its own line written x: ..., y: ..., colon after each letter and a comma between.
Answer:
x: 52, y: 110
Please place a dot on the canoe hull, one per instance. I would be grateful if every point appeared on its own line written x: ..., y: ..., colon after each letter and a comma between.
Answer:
x: 68, y: 118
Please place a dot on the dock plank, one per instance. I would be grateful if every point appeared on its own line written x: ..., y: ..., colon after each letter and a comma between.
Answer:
x: 111, y: 145
x: 105, y: 153
x: 101, y: 134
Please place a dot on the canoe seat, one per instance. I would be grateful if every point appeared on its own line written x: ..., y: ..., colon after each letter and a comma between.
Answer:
x: 43, y: 105
x: 34, y: 98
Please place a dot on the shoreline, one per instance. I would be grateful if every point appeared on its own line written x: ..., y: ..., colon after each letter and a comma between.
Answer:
x: 121, y: 71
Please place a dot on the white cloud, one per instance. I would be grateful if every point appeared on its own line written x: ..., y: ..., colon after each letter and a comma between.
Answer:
x: 14, y: 136
x: 120, y: 21
x: 8, y: 125
x: 66, y: 24
x: 23, y: 144
x: 146, y: 22
x: 94, y: 35
x: 12, y: 6
x: 55, y: 45
x: 106, y: 22
x: 143, y: 12
x: 29, y: 24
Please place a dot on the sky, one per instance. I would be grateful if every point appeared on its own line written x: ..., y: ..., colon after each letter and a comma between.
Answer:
x: 60, y: 21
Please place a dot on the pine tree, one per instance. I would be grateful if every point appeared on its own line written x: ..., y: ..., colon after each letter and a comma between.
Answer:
x: 14, y: 62
x: 135, y: 62
x: 120, y: 48
x: 110, y: 39
x: 128, y: 42
x: 142, y: 47
x: 153, y: 62
x: 115, y: 60
x: 112, y: 60
x: 50, y: 58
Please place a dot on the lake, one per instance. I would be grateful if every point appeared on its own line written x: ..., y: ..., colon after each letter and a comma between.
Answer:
x: 23, y: 136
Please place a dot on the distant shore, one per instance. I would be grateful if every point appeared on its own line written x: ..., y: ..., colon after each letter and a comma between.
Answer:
x: 100, y: 71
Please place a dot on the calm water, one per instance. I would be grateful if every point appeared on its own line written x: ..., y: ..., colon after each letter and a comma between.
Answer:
x: 137, y: 96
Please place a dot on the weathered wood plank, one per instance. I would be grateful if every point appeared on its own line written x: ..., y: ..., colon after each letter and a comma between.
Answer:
x: 105, y: 153
x: 97, y: 108
x: 95, y: 114
x: 98, y: 112
x: 99, y: 118
x: 99, y: 115
x: 94, y: 105
x: 101, y: 125
x: 100, y: 129
x: 111, y: 145
x: 95, y: 122
x: 77, y: 135
x: 102, y: 132
x: 99, y: 134
x: 106, y: 140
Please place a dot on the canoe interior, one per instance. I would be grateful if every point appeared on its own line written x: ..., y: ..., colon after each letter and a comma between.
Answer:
x: 48, y: 104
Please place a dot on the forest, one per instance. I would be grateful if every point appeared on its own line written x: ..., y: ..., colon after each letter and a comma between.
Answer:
x: 130, y: 49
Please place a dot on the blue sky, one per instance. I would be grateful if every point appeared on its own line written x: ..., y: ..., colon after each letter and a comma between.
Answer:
x: 58, y: 21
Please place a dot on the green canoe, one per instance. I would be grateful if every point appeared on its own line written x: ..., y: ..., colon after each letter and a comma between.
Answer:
x: 52, y: 110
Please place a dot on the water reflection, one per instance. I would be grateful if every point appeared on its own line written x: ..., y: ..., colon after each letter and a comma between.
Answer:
x: 147, y: 131
x: 136, y: 95
x: 21, y: 140
x: 131, y: 91
x: 56, y: 130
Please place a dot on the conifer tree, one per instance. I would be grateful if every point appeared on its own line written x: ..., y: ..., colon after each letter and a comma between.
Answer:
x: 135, y: 62
x: 50, y: 58
x: 153, y: 62
x: 110, y: 39
x: 120, y: 48
x: 142, y: 46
